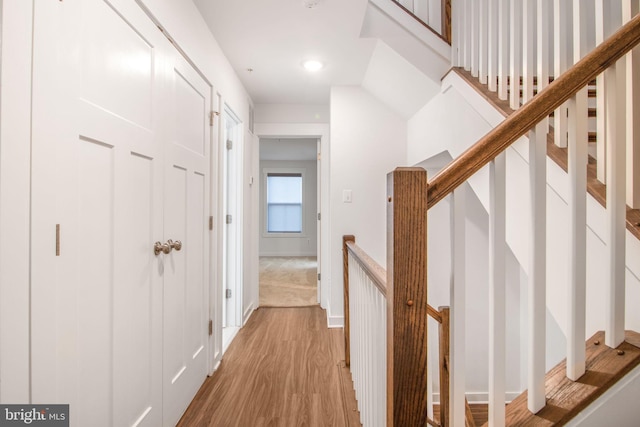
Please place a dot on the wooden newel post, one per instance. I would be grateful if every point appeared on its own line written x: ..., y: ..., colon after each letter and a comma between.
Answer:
x: 407, y: 297
x: 345, y: 275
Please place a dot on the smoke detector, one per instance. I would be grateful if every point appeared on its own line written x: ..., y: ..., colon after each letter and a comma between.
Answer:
x: 310, y: 4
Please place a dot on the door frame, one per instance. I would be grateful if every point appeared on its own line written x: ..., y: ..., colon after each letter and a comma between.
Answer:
x: 227, y: 114
x: 318, y: 131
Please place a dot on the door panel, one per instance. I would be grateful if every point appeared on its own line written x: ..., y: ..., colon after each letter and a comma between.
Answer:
x: 118, y: 69
x: 95, y: 281
x: 98, y: 165
x: 186, y: 272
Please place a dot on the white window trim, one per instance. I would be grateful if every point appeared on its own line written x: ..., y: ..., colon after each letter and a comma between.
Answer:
x: 265, y: 174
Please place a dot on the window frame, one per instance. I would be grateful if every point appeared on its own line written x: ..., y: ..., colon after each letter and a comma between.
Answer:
x: 283, y: 171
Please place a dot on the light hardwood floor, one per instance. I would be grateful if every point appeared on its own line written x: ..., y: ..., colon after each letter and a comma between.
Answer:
x: 285, y: 368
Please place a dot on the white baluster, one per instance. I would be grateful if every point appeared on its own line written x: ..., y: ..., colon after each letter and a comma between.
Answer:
x: 457, y: 33
x: 515, y: 29
x: 468, y: 33
x: 577, y: 164
x: 631, y: 8
x: 483, y: 40
x: 475, y: 37
x: 542, y: 60
x: 537, y: 268
x: 458, y: 308
x: 616, y: 201
x: 528, y: 52
x: 497, y: 291
x: 503, y: 48
x: 602, y: 31
x: 561, y: 57
x: 492, y: 41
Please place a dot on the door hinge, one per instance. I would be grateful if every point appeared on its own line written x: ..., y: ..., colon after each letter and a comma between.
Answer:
x: 57, y: 239
x: 211, y: 223
x: 212, y: 117
x: 229, y: 144
x: 319, y: 156
x: 210, y: 327
x: 318, y: 216
x: 229, y: 219
x: 227, y: 293
x: 318, y: 277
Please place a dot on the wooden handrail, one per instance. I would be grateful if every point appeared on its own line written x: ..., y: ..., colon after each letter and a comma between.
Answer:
x: 376, y: 273
x: 525, y: 118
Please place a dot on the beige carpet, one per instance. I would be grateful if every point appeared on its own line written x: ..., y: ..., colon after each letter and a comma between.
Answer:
x: 288, y: 281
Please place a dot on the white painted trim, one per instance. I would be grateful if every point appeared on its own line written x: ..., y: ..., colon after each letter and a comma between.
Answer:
x: 15, y: 205
x: 335, y: 321
x: 247, y: 314
x: 320, y: 131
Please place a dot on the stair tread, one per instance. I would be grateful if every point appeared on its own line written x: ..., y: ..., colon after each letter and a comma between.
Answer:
x: 557, y: 154
x: 566, y: 398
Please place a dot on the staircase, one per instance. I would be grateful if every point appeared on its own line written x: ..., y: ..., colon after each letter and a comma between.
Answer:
x: 586, y: 121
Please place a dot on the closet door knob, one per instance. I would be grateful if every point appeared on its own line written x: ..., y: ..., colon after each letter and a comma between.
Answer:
x: 177, y: 245
x: 161, y: 247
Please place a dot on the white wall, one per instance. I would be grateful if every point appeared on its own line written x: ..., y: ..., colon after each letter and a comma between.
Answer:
x: 292, y: 113
x: 294, y: 245
x: 368, y: 140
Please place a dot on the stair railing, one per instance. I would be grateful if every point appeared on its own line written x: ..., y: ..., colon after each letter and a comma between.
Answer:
x: 410, y: 196
x: 433, y: 14
x: 514, y: 46
x: 365, y: 331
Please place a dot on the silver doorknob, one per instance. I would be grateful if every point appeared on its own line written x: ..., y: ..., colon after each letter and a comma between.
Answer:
x: 177, y: 245
x: 161, y: 247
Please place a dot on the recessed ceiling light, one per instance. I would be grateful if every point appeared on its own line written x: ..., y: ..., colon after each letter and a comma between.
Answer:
x: 312, y: 65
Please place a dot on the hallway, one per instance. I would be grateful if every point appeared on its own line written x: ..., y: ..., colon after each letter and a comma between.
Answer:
x: 284, y: 368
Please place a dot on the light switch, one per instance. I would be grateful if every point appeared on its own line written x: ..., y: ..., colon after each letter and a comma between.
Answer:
x: 346, y: 196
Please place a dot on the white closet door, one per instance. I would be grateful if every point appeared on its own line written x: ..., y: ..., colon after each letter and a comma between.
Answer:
x: 186, y: 271
x: 98, y: 173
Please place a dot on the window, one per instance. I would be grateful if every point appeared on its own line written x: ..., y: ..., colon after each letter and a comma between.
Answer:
x: 284, y: 203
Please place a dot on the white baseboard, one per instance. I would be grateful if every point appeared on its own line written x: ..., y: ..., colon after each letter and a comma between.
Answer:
x: 247, y: 313
x: 335, y: 321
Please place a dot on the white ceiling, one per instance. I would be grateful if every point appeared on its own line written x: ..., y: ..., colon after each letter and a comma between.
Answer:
x: 273, y: 38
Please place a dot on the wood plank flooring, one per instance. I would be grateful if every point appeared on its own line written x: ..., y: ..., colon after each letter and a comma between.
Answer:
x: 284, y: 368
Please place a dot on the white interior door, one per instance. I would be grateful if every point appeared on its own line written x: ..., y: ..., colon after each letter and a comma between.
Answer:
x: 116, y: 168
x: 186, y: 271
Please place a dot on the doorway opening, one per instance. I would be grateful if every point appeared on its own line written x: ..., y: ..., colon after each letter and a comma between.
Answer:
x: 289, y: 230
x: 232, y: 230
